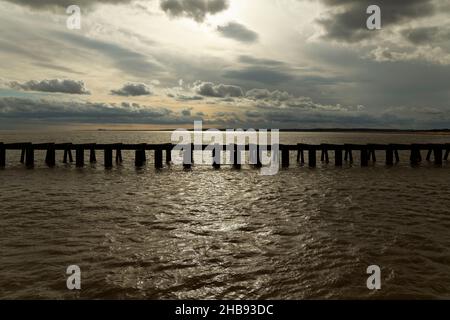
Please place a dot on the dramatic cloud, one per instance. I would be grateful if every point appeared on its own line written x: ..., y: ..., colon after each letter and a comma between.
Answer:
x: 53, y: 85
x: 195, y: 9
x: 20, y: 109
x: 209, y: 89
x: 239, y: 32
x: 62, y: 4
x: 133, y: 90
x: 345, y: 20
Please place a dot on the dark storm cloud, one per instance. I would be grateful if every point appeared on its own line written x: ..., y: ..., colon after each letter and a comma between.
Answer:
x: 20, y: 109
x: 132, y: 90
x: 209, y: 89
x: 239, y: 32
x: 346, y: 19
x: 62, y: 4
x: 427, y: 35
x: 195, y: 9
x: 54, y: 85
x: 125, y: 59
x: 259, y: 74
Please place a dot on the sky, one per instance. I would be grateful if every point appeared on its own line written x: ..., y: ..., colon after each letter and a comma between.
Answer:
x: 299, y: 64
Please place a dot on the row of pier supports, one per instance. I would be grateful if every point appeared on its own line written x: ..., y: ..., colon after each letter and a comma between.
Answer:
x: 341, y: 153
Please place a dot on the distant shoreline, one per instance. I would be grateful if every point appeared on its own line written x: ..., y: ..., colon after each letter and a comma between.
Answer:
x: 337, y: 130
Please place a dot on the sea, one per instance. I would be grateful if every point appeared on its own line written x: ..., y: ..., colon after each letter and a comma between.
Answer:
x: 304, y: 233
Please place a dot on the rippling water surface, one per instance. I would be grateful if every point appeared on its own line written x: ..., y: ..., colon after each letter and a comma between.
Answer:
x: 205, y: 234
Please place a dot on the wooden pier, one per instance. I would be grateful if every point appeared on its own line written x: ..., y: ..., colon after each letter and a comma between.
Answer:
x: 342, y: 153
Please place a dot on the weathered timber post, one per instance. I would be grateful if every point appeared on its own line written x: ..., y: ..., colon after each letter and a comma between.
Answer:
x: 22, y: 155
x: 430, y: 151
x: 364, y: 157
x: 312, y: 157
x: 159, y: 158
x: 447, y: 152
x: 188, y: 156
x: 119, y: 154
x: 397, y: 157
x: 79, y: 156
x: 169, y: 154
x: 372, y: 155
x: 216, y: 157
x: 389, y: 156
x: 415, y: 157
x: 300, y: 154
x: 2, y: 155
x: 437, y: 155
x: 92, y: 155
x: 324, y: 155
x: 29, y: 158
x: 285, y: 161
x: 237, y: 157
x: 108, y: 157
x: 348, y: 154
x: 50, y: 158
x: 338, y: 156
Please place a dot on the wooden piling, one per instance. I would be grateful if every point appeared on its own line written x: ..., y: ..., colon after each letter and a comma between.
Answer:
x: 139, y: 158
x: 119, y: 158
x: 338, y: 157
x: 389, y: 156
x: 216, y: 157
x: 312, y: 157
x: 324, y: 154
x: 372, y: 155
x: 364, y: 157
x: 159, y: 158
x: 169, y: 154
x: 300, y: 154
x: 397, y: 157
x: 437, y: 155
x: 50, y: 158
x: 79, y: 156
x: 430, y: 152
x: 348, y: 154
x: 188, y: 155
x: 22, y: 155
x: 92, y: 155
x: 108, y: 157
x: 237, y: 157
x: 415, y: 157
x: 285, y: 154
x: 2, y: 155
x: 29, y: 158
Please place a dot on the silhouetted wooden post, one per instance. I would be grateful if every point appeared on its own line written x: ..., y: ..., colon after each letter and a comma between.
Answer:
x: 415, y: 157
x: 237, y: 157
x: 22, y: 155
x: 437, y: 155
x: 389, y: 156
x: 119, y: 155
x: 92, y: 155
x: 324, y: 157
x: 79, y: 156
x: 169, y: 154
x: 364, y: 157
x: 312, y: 157
x: 397, y: 157
x: 29, y: 158
x: 50, y: 158
x: 108, y: 157
x: 430, y: 151
x: 216, y: 157
x: 338, y: 156
x: 300, y: 155
x: 285, y: 154
x: 139, y: 158
x: 158, y: 158
x: 348, y: 154
x: 2, y: 155
x: 188, y: 156
x: 372, y: 155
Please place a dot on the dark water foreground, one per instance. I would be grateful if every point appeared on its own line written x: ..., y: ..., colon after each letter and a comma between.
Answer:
x: 304, y: 233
